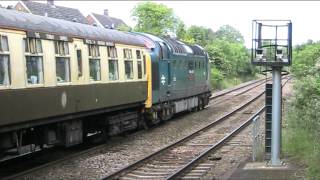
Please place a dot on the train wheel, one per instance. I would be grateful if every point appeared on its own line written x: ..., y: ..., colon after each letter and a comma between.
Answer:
x: 166, y: 113
x: 200, y: 105
x: 152, y: 118
x: 203, y: 104
x: 142, y: 123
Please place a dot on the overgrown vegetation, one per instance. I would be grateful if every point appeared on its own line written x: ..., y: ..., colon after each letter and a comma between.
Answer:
x: 230, y: 59
x: 302, y: 135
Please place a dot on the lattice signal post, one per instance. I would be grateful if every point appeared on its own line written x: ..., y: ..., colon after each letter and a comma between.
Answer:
x: 272, y: 46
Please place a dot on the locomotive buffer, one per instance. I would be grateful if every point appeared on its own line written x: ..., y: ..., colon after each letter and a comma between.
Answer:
x: 272, y: 47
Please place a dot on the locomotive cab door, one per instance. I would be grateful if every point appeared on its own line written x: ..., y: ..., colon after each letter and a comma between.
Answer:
x: 165, y: 77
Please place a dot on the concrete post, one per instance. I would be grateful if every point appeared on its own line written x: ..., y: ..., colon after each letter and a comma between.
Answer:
x: 255, y: 137
x: 276, y: 116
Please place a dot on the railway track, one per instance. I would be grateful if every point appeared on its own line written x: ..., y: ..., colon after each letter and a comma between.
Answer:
x: 249, y: 84
x: 21, y: 173
x: 175, y: 160
x: 236, y: 92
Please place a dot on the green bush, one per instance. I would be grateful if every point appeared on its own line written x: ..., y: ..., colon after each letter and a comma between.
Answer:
x: 216, y: 78
x: 302, y: 135
x: 222, y: 81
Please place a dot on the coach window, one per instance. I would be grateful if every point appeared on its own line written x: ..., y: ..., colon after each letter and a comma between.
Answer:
x: 94, y: 62
x: 62, y: 61
x: 144, y: 64
x: 128, y: 63
x: 79, y: 60
x: 139, y: 64
x: 138, y: 53
x: 113, y: 63
x: 34, y: 62
x: 4, y: 61
x: 139, y: 69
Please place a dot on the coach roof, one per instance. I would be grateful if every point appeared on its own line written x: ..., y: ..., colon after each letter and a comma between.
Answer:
x: 29, y: 22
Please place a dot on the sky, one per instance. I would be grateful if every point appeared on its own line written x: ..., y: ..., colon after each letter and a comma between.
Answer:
x: 213, y: 14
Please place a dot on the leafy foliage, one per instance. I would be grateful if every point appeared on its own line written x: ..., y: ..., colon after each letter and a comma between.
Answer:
x: 302, y: 138
x: 230, y: 34
x: 154, y: 18
x: 225, y: 47
x: 124, y: 27
x: 200, y: 35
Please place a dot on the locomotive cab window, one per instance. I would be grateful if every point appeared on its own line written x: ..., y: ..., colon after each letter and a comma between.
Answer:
x: 128, y: 63
x: 62, y: 61
x: 94, y: 62
x: 34, y: 62
x: 113, y: 63
x: 4, y: 61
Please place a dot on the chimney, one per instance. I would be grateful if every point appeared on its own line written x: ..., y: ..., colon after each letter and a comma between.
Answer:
x: 50, y: 2
x: 106, y: 12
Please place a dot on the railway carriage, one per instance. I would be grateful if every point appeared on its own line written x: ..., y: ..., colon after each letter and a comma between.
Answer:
x: 61, y: 80
x: 55, y: 73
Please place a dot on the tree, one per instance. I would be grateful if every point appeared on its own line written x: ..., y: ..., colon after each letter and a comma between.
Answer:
x: 231, y: 58
x: 200, y: 35
x: 305, y: 57
x: 154, y: 18
x: 229, y: 33
x: 123, y: 27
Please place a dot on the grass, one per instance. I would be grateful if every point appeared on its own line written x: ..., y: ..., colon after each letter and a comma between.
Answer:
x: 301, y: 147
x: 301, y: 138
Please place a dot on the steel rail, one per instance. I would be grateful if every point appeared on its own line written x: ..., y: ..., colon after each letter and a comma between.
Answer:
x: 216, y: 146
x: 118, y: 173
x: 246, y: 90
x: 237, y: 88
x: 130, y: 167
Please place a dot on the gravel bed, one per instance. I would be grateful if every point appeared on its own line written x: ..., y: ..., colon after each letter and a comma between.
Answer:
x: 122, y: 151
x: 240, y: 147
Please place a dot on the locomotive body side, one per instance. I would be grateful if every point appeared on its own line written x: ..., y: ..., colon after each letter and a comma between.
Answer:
x: 180, y: 81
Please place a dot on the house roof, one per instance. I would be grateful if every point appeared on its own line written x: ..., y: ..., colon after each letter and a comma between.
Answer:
x: 30, y: 22
x: 107, y: 21
x: 54, y: 11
